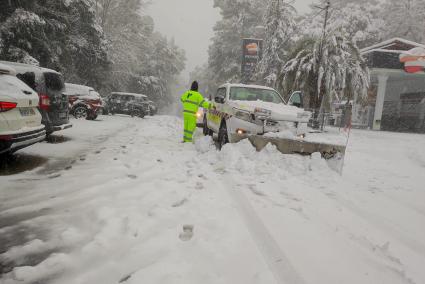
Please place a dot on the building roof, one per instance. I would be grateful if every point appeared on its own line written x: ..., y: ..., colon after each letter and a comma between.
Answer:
x: 394, y: 45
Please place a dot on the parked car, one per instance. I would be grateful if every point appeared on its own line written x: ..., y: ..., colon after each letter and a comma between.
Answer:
x: 49, y: 84
x: 241, y: 110
x: 84, y: 101
x: 20, y: 119
x: 128, y: 103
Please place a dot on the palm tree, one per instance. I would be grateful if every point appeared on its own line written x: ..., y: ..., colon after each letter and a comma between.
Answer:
x: 325, y: 70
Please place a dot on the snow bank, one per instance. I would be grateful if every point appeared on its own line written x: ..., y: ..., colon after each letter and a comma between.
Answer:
x: 116, y: 215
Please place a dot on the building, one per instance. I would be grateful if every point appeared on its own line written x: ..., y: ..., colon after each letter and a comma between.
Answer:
x: 396, y: 100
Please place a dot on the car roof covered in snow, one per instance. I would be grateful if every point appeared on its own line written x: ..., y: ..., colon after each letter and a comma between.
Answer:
x: 76, y: 86
x: 129, y: 94
x: 247, y: 86
x: 7, y: 70
x: 22, y: 67
x: 75, y: 89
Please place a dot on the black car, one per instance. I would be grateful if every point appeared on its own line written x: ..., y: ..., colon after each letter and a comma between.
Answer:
x: 50, y: 86
x: 128, y: 103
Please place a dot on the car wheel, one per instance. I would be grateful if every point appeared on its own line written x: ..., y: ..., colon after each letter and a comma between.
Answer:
x: 141, y: 114
x: 223, y: 137
x: 138, y: 113
x: 80, y: 112
x: 92, y: 117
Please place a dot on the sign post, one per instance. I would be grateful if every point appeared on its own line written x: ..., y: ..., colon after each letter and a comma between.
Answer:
x: 252, y: 51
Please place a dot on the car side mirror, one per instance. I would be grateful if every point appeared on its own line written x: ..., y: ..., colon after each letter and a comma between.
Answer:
x: 219, y: 100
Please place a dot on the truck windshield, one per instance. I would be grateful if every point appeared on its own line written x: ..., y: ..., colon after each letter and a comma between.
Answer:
x: 254, y: 94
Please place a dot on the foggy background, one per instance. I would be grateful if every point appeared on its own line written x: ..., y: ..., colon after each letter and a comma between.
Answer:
x: 190, y: 23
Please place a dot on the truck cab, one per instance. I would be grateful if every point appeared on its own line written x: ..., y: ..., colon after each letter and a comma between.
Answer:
x: 241, y: 110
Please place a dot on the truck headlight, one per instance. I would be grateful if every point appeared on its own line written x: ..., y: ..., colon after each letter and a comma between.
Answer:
x: 262, y: 114
x: 243, y: 115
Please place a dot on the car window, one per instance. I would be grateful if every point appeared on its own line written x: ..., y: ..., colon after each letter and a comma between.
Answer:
x: 295, y: 99
x: 54, y: 81
x: 11, y: 85
x: 28, y: 78
x: 221, y: 92
x: 254, y: 94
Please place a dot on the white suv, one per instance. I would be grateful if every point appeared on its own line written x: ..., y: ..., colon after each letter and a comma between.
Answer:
x: 242, y: 110
x: 20, y: 119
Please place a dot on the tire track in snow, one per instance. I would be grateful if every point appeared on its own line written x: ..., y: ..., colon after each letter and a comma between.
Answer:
x: 279, y: 264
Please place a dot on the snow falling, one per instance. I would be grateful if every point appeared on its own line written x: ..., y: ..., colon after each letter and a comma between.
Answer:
x: 96, y: 185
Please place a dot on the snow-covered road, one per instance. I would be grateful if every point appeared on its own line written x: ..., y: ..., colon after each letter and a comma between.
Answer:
x: 110, y: 205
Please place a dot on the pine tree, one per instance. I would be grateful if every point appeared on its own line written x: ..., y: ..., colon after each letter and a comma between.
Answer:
x: 143, y: 60
x: 240, y: 19
x: 62, y: 35
x: 279, y: 21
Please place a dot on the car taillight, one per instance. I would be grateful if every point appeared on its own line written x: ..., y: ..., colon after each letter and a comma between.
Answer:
x: 44, y: 101
x: 6, y: 137
x: 5, y: 106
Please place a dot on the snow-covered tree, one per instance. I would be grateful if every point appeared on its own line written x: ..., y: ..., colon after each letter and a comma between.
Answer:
x: 22, y: 34
x: 143, y: 60
x: 240, y: 18
x: 405, y: 18
x: 59, y: 34
x: 325, y: 70
x: 280, y: 25
x: 359, y: 20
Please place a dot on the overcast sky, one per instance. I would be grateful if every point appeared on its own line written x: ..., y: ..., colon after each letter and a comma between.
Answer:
x: 191, y: 24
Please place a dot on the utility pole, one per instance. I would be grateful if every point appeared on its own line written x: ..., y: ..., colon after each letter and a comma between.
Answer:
x: 325, y: 24
x: 321, y: 115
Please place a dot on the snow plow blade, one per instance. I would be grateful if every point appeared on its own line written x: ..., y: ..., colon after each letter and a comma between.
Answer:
x: 334, y: 154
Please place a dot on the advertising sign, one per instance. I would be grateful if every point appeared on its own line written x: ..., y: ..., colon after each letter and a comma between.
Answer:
x: 252, y: 51
x: 414, y: 60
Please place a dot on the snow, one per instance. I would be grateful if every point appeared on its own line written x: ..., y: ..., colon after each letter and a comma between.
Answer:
x: 117, y: 215
x: 331, y: 135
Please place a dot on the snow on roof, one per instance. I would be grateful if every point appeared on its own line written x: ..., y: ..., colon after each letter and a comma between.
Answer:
x: 384, y: 50
x: 22, y: 67
x: 383, y: 46
x: 131, y: 94
x: 77, y: 86
x: 6, y: 69
x: 75, y: 89
x: 247, y: 86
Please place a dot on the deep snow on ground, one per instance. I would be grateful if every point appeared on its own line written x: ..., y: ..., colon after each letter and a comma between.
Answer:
x: 110, y: 207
